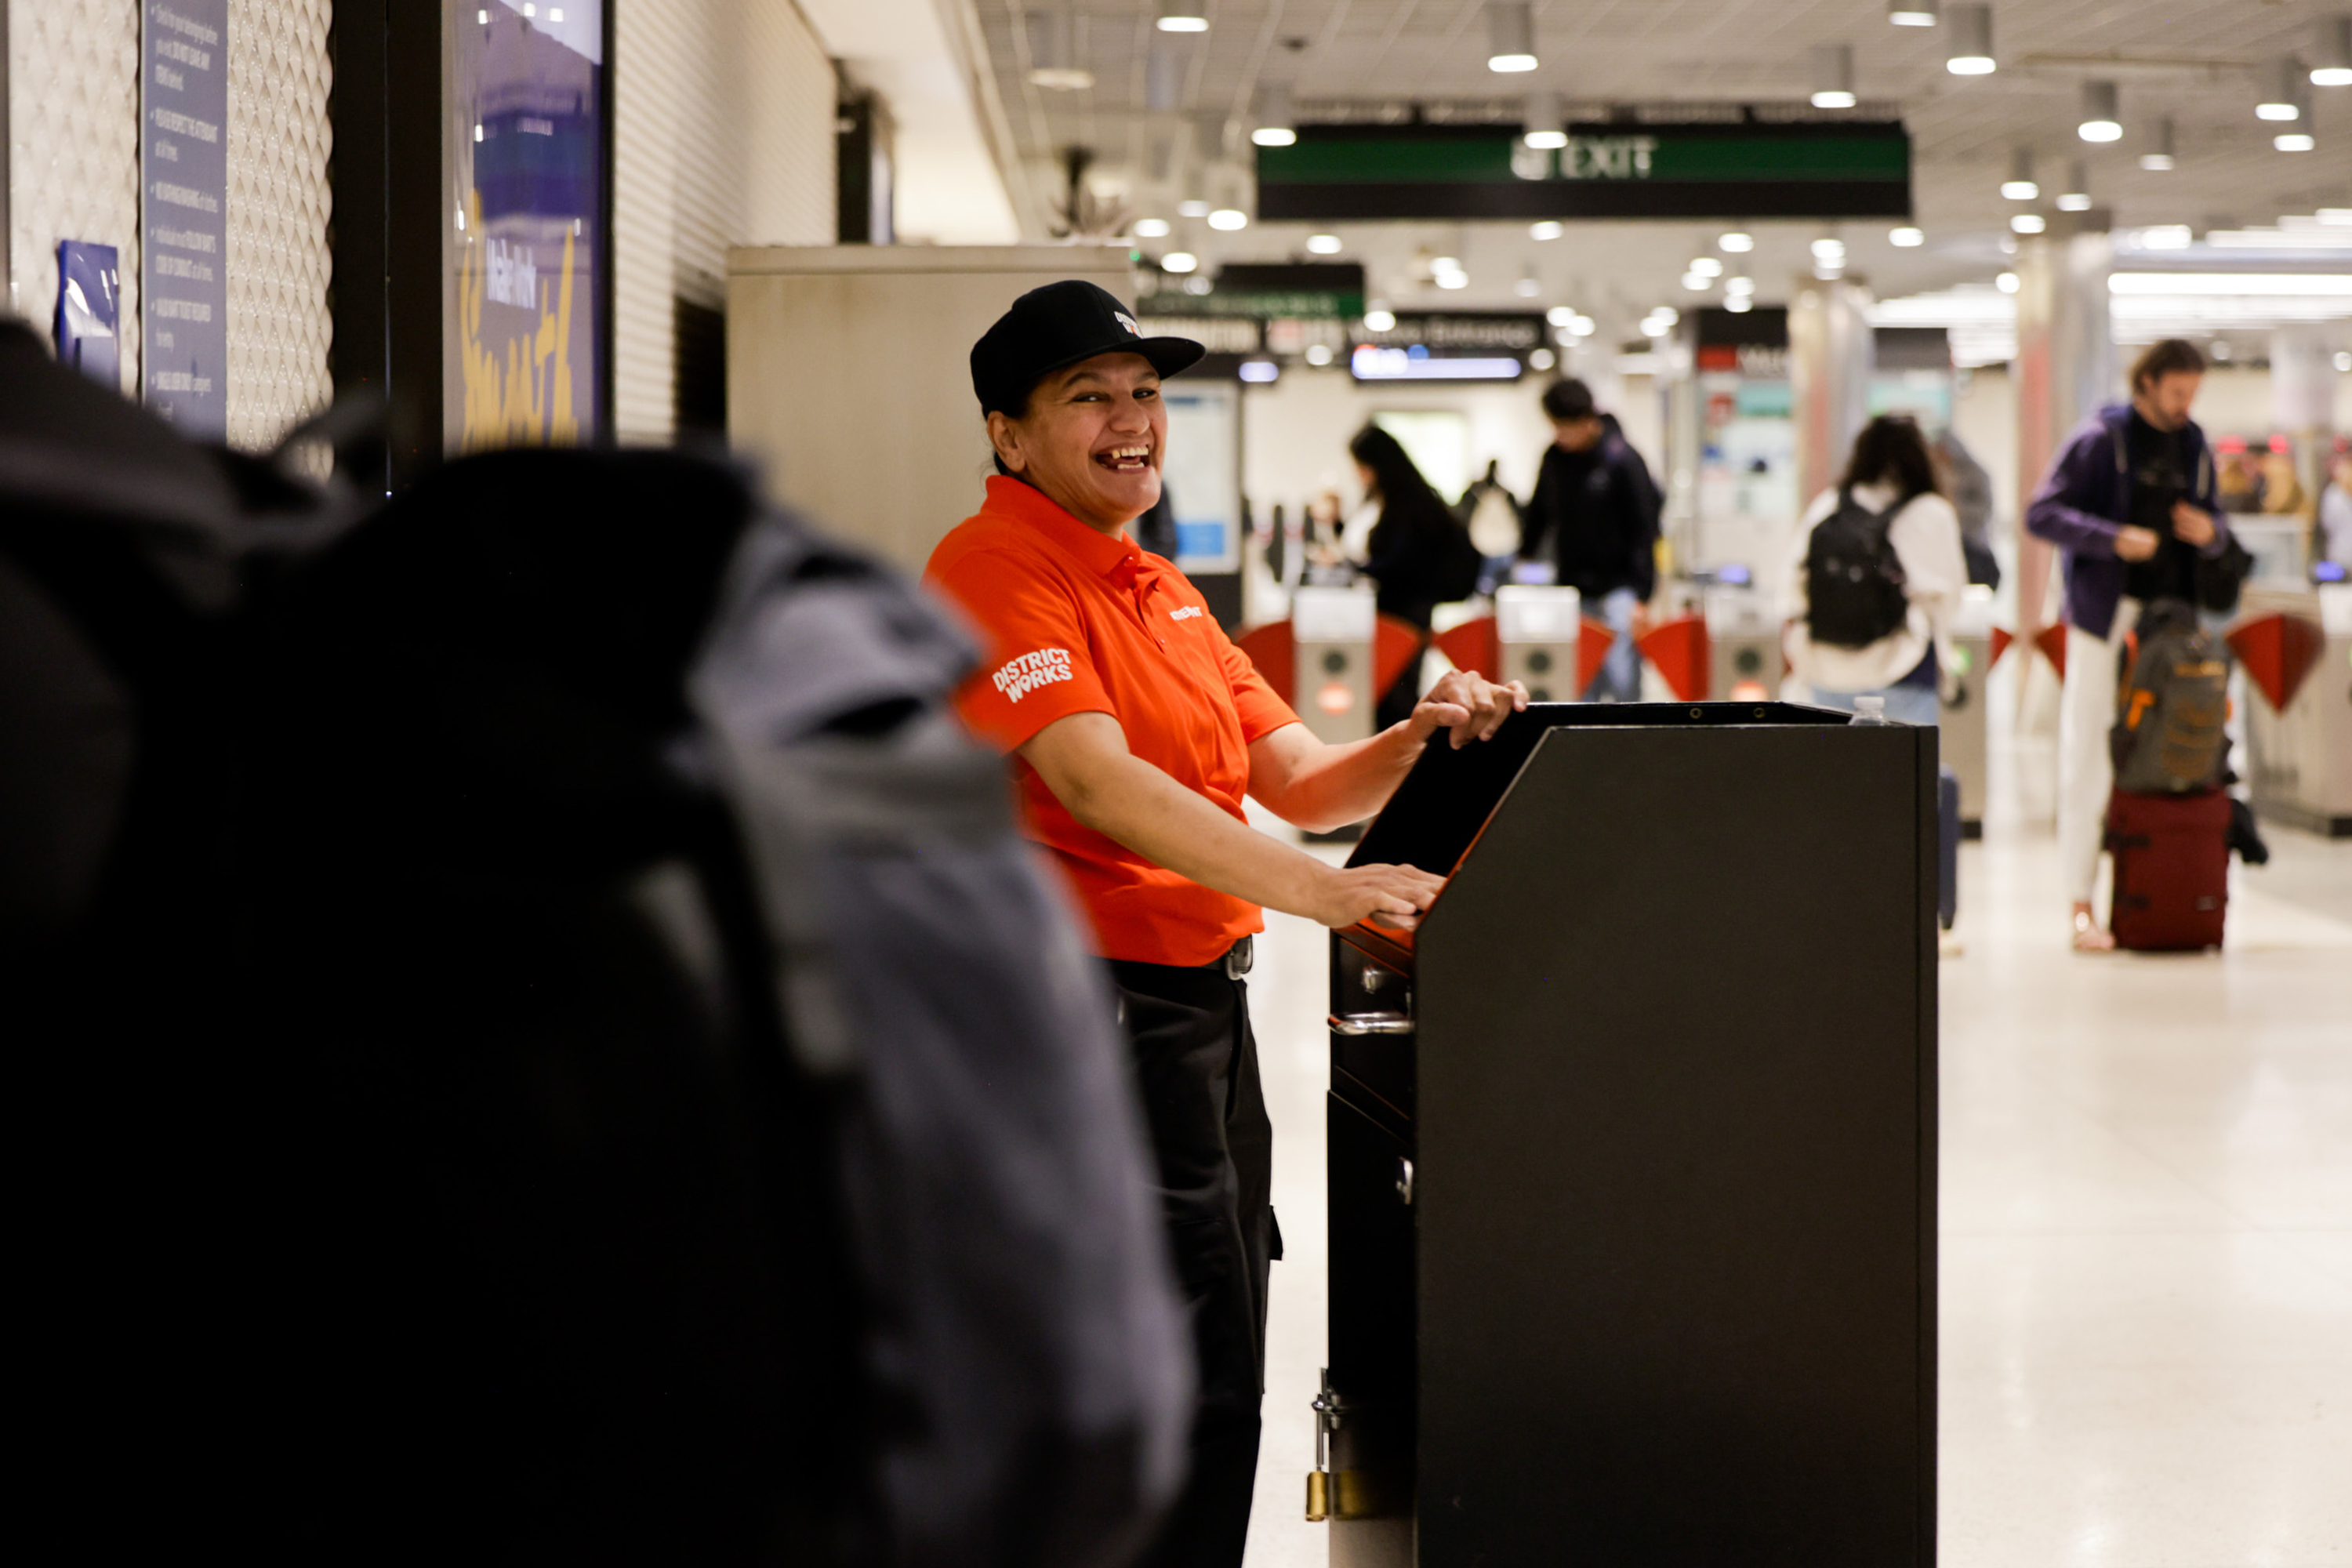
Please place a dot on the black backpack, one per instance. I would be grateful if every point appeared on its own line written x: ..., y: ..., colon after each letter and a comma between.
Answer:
x: 1854, y: 584
x: 1457, y: 564
x: 2172, y: 703
x: 539, y: 1035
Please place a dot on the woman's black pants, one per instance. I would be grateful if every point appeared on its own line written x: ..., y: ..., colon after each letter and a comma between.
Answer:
x: 1196, y: 1065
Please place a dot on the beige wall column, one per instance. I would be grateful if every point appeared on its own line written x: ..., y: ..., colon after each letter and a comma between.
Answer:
x: 2303, y: 401
x: 1830, y: 359
x: 849, y: 378
x: 2065, y: 368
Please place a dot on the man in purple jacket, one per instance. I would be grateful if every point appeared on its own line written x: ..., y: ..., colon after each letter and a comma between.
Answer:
x: 2131, y: 504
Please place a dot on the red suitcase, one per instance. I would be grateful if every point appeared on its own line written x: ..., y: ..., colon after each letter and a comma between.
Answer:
x: 2172, y: 869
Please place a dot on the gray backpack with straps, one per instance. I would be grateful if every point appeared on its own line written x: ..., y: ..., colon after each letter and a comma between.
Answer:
x: 1022, y: 1317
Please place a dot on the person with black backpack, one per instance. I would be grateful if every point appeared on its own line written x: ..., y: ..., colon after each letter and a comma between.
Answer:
x: 1419, y: 554
x: 1875, y: 575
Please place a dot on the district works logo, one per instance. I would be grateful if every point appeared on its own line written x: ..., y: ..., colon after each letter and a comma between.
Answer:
x: 1124, y: 320
x: 1024, y: 675
x: 1188, y: 613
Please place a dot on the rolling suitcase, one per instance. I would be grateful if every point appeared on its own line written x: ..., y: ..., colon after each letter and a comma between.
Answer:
x: 2172, y: 869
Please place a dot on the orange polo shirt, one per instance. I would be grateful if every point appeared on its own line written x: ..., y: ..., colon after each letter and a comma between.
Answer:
x: 1075, y: 622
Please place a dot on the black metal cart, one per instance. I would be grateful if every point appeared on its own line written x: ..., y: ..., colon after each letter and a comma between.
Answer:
x: 1633, y: 1151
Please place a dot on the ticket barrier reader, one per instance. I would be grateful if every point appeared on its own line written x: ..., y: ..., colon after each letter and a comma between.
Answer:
x: 1633, y: 1190
x: 2296, y: 648
x: 1332, y: 659
x: 1538, y: 639
x: 1332, y: 655
x: 1745, y: 663
x: 1537, y: 636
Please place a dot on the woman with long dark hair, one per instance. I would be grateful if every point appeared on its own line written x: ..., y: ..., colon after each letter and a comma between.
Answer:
x: 1889, y: 490
x: 1405, y: 550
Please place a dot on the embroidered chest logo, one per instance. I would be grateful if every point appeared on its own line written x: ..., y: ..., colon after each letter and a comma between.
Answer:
x: 1186, y: 614
x: 1024, y: 675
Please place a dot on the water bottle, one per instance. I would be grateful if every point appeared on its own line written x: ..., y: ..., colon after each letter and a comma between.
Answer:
x: 1870, y: 711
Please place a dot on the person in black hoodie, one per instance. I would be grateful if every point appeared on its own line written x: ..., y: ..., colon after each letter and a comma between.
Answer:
x: 1406, y: 552
x: 1594, y: 516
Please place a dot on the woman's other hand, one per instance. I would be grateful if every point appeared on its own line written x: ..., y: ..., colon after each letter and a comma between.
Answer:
x: 1386, y: 895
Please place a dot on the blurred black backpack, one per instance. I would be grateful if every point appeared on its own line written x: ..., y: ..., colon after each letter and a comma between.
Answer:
x: 1854, y: 583
x: 542, y: 1038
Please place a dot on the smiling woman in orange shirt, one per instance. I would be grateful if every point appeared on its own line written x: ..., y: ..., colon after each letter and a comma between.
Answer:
x: 1136, y: 729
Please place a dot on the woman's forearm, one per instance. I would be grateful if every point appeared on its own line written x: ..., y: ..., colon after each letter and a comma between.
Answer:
x: 1129, y: 801
x: 1329, y: 786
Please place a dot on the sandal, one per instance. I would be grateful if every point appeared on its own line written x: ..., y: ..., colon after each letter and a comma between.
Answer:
x: 2089, y: 937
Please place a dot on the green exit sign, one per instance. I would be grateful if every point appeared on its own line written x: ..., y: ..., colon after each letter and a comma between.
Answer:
x: 1736, y: 169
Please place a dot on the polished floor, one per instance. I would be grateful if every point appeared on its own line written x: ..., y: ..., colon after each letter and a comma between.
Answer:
x: 2147, y: 1228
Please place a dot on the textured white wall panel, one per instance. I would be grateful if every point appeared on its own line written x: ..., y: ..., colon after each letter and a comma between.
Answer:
x: 278, y: 204
x: 723, y: 133
x: 73, y: 149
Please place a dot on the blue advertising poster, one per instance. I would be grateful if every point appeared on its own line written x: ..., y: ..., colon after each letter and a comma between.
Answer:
x: 184, y: 190
x: 527, y: 161
x: 89, y: 304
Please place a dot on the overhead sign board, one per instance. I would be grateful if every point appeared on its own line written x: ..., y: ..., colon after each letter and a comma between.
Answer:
x: 1824, y: 169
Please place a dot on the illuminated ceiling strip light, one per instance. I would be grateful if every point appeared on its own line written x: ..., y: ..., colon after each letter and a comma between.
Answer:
x: 2222, y: 285
x: 1372, y: 362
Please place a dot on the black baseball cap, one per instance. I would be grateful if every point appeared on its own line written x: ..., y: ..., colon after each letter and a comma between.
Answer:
x: 1058, y: 325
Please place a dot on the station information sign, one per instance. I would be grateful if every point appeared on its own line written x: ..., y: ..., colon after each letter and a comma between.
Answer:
x: 1459, y: 345
x: 1747, y: 167
x: 182, y: 224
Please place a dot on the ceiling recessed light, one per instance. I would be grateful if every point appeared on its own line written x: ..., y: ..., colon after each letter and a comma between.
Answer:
x: 1547, y: 229
x: 1911, y: 13
x: 2281, y: 89
x: 1151, y: 228
x: 1191, y: 207
x: 2102, y: 118
x: 1970, y: 52
x: 1179, y: 261
x: 1832, y: 76
x: 1906, y: 238
x: 1228, y: 219
x: 1377, y: 320
x: 2006, y: 282
x: 1706, y: 266
x: 1560, y: 315
x: 1511, y: 36
x: 1182, y: 16
x: 1323, y: 243
x: 2294, y: 141
x: 2333, y: 48
x: 2074, y: 202
x: 1736, y: 243
x: 2028, y: 222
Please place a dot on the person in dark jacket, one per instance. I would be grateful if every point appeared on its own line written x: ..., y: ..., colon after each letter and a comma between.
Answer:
x: 1405, y: 552
x: 2132, y: 504
x: 1594, y: 516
